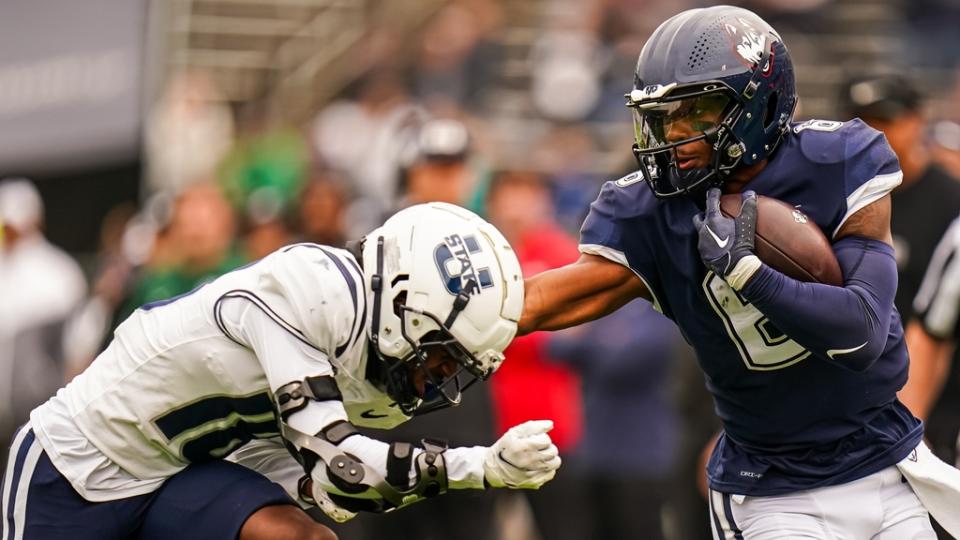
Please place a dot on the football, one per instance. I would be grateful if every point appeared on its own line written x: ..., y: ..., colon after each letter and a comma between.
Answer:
x: 789, y: 241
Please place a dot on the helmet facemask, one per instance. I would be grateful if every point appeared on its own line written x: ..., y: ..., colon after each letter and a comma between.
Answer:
x: 429, y: 344
x: 439, y: 389
x: 670, y: 117
x: 669, y: 129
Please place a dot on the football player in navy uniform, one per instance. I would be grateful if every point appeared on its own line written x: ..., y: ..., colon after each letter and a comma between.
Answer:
x: 272, y: 366
x: 804, y: 375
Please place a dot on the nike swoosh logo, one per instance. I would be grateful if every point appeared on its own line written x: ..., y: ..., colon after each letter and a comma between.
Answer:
x: 369, y: 414
x: 721, y: 243
x: 833, y: 353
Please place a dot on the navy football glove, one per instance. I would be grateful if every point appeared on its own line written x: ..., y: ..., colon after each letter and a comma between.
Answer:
x: 724, y: 241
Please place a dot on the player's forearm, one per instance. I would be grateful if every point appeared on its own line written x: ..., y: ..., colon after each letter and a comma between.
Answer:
x: 847, y: 324
x: 577, y: 293
x: 930, y: 360
x: 548, y: 297
x: 464, y: 464
x: 572, y: 312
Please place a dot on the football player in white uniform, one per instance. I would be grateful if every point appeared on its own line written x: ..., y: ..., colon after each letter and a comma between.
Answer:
x: 272, y: 366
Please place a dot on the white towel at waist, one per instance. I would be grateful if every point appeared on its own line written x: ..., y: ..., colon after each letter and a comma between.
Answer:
x: 936, y: 484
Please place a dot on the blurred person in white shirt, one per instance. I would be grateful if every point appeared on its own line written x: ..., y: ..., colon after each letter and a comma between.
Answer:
x: 40, y: 285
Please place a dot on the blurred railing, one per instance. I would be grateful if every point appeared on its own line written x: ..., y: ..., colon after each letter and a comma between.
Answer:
x: 289, y: 56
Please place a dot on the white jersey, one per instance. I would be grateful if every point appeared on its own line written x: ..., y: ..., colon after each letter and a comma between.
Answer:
x: 181, y: 380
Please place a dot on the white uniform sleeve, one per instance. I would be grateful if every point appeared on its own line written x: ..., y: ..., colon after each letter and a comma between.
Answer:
x: 282, y: 355
x: 286, y: 359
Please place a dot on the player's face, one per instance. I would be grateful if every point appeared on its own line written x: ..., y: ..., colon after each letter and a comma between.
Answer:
x: 671, y: 122
x: 439, y: 367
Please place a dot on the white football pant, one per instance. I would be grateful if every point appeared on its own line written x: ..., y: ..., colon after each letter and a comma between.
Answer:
x: 881, y: 506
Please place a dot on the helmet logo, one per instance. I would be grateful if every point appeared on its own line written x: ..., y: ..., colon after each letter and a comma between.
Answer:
x: 456, y: 267
x: 749, y: 43
x: 652, y: 91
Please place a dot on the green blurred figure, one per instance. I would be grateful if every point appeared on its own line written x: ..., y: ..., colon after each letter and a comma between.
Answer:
x: 196, y: 247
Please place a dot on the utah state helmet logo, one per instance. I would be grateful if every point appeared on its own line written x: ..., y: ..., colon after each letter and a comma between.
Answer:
x: 456, y: 267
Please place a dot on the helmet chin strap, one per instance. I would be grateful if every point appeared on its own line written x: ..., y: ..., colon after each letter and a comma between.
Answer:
x: 376, y: 285
x: 392, y: 373
x: 382, y: 372
x: 460, y: 302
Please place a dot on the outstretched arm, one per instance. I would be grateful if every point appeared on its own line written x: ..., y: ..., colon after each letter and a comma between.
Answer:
x: 577, y: 293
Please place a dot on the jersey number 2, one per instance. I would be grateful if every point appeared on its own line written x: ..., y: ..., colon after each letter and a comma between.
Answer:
x: 761, y: 345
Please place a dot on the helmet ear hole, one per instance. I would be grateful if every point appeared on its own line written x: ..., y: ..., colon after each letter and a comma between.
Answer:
x: 770, y: 114
x: 398, y: 301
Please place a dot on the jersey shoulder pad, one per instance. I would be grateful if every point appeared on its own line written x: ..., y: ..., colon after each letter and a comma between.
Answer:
x: 324, y: 288
x: 827, y: 142
x: 628, y: 196
x: 619, y: 210
x: 862, y: 155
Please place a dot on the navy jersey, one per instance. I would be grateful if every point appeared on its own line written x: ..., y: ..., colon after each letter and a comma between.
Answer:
x: 793, y: 420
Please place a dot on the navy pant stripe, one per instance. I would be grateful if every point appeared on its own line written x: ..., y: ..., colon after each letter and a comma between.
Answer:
x: 716, y: 520
x: 21, y: 455
x: 728, y: 510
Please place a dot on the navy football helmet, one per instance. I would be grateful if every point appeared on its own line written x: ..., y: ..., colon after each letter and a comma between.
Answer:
x: 719, y: 75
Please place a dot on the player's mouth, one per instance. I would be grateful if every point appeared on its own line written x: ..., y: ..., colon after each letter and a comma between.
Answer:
x: 685, y: 162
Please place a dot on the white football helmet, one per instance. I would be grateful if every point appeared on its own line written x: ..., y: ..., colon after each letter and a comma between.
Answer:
x: 439, y: 276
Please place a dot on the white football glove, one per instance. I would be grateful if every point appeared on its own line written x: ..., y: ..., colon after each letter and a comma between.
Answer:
x: 524, y: 458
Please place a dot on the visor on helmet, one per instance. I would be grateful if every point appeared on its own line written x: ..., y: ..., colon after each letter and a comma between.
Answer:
x: 685, y: 115
x: 659, y: 124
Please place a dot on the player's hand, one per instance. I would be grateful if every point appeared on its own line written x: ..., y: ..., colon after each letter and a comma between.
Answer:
x: 724, y: 241
x: 524, y: 458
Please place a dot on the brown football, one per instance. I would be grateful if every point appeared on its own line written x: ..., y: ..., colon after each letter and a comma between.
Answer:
x: 789, y: 241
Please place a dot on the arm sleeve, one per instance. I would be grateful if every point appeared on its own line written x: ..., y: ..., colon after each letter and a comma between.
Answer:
x: 937, y: 304
x: 286, y: 359
x: 848, y: 324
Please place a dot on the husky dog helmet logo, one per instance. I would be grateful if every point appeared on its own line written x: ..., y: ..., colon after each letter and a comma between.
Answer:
x: 748, y: 41
x: 456, y: 267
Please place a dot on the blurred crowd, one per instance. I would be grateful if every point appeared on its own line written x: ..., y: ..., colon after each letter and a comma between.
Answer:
x: 225, y: 184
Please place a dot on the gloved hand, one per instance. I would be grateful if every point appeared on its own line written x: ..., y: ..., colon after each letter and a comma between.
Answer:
x: 523, y: 458
x: 723, y: 242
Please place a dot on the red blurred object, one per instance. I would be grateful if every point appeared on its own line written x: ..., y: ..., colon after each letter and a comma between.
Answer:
x: 528, y: 386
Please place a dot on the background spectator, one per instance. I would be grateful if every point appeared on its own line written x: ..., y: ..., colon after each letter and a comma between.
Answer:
x: 40, y: 286
x: 629, y: 446
x: 322, y: 211
x: 197, y: 246
x: 530, y: 385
